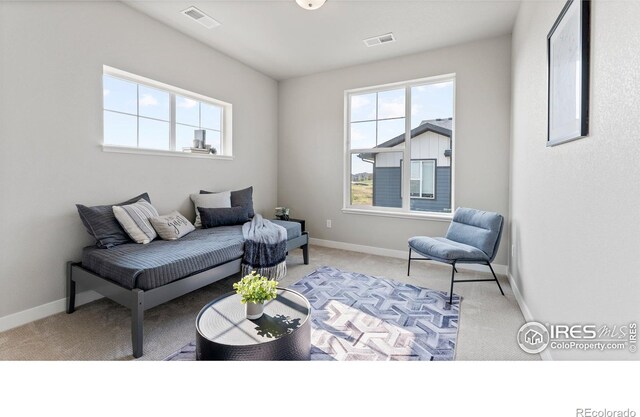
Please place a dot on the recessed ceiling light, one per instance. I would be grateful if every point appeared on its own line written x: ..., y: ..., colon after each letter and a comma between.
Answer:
x: 310, y: 4
x: 200, y: 17
x: 379, y: 40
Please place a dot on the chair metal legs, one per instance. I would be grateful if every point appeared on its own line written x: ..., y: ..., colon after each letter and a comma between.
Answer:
x: 453, y: 273
x: 416, y: 259
x: 495, y: 277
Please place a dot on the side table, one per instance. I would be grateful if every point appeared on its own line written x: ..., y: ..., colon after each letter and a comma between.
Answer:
x: 282, y: 333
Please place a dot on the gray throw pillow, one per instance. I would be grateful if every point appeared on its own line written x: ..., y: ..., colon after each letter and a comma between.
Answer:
x: 216, y: 200
x: 172, y: 226
x: 101, y: 223
x: 240, y: 198
x: 227, y: 216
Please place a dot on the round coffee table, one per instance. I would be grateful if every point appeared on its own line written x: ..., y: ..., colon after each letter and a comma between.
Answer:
x: 282, y: 333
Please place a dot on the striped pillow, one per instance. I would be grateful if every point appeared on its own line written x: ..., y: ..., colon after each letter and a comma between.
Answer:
x: 134, y: 219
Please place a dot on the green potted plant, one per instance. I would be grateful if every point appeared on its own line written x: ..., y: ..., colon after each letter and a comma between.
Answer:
x: 255, y: 289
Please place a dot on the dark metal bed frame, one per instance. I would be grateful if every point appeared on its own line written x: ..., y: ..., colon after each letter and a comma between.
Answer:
x: 138, y: 300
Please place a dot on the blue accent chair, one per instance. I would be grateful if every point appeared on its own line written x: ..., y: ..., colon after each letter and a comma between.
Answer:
x: 473, y: 237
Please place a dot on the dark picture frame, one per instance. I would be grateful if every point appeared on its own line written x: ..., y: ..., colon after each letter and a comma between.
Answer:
x: 568, y: 46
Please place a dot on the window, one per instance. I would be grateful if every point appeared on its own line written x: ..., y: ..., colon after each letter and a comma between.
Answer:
x: 423, y: 179
x: 386, y: 125
x: 145, y: 115
x: 195, y: 115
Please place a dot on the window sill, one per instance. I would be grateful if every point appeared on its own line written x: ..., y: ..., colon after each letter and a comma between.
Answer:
x: 158, y: 152
x: 440, y: 217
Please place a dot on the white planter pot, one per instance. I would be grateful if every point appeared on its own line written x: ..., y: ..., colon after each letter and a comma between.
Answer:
x: 253, y: 311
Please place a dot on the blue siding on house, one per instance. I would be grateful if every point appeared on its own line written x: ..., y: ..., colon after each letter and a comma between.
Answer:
x: 386, y: 190
x: 386, y: 187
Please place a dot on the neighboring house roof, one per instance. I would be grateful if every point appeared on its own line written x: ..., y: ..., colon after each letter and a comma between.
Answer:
x: 439, y: 126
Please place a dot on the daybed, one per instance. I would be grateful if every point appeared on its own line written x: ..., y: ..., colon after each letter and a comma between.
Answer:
x: 141, y: 277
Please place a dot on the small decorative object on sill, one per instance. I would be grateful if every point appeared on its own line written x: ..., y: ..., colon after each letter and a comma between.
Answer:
x: 255, y: 290
x: 195, y: 150
x: 200, y: 136
x: 214, y: 151
x: 282, y: 213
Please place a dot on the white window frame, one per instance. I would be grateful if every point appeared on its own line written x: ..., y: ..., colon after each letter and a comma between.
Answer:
x: 421, y: 163
x: 226, y: 137
x: 404, y: 211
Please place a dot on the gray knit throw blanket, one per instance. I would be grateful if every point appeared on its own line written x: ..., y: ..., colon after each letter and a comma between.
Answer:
x: 265, y: 248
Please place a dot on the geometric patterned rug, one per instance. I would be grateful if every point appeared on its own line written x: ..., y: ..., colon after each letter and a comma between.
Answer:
x: 361, y: 317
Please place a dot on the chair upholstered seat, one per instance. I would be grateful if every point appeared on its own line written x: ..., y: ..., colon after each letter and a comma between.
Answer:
x: 473, y: 237
x: 445, y: 250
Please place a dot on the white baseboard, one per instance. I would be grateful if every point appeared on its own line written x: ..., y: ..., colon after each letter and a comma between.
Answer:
x: 401, y: 254
x: 545, y: 354
x: 44, y: 310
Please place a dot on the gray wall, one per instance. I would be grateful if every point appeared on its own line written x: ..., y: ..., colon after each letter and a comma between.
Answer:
x: 311, y: 130
x: 386, y: 190
x: 51, y: 105
x: 575, y: 207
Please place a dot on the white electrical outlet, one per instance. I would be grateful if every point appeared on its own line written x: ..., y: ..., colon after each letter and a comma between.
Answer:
x: 328, y: 224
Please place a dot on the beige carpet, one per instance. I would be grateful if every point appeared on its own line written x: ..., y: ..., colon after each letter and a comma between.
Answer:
x: 101, y: 330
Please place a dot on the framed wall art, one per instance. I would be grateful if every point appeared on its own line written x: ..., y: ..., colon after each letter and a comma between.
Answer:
x: 568, y: 74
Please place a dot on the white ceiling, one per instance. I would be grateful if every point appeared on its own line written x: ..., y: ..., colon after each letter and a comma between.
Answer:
x: 282, y: 40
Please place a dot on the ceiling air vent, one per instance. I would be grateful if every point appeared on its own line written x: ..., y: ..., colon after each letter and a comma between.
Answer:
x: 379, y: 40
x: 197, y: 15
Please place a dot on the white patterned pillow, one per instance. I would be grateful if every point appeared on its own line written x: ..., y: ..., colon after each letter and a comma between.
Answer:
x: 172, y: 226
x: 134, y: 219
x: 217, y: 200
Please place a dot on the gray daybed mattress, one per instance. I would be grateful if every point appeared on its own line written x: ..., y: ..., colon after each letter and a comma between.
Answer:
x: 149, y: 266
